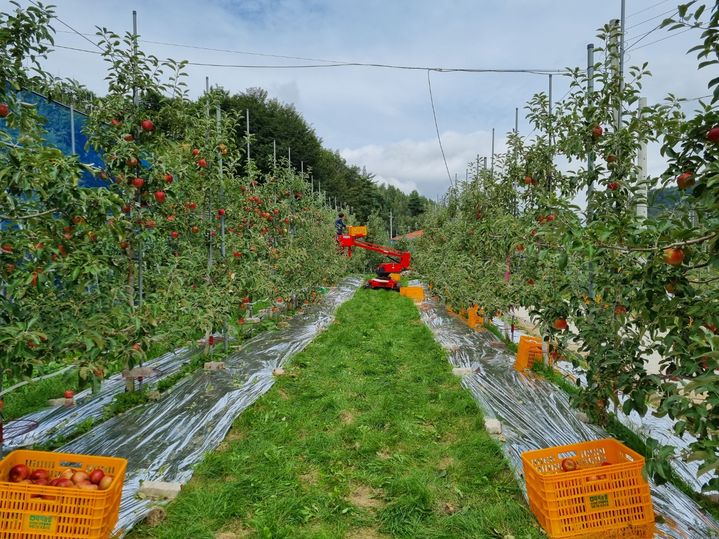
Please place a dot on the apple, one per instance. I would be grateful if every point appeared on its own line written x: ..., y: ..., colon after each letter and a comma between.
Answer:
x: 245, y: 300
x: 170, y: 218
x: 674, y: 256
x: 211, y: 340
x: 520, y: 247
x: 67, y: 473
x: 241, y: 321
x: 62, y: 482
x: 213, y: 233
x: 195, y: 152
x: 137, y: 347
x: 160, y: 196
x: 611, y: 158
x: 222, y: 148
x: 237, y: 254
x: 175, y: 234
x: 620, y: 310
x: 613, y: 186
x: 105, y: 482
x: 128, y: 137
x: 96, y: 476
x: 168, y: 178
x: 569, y: 465
x: 132, y: 161
x: 712, y: 134
x: 192, y: 205
x: 147, y: 125
x: 115, y: 122
x: 597, y: 131
x: 150, y: 223
x: 87, y: 486
x: 530, y: 281
x: 528, y: 180
x: 69, y: 394
x: 221, y: 212
x: 6, y: 248
x: 560, y: 324
x: 9, y: 268
x: 137, y: 183
x: 202, y: 163
x: 4, y: 110
x: 124, y: 244
x: 80, y: 477
x: 18, y: 473
x: 195, y: 229
x: 126, y: 208
x: 551, y: 217
x: 685, y: 180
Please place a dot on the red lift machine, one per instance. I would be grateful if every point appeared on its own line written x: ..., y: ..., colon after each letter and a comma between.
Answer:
x: 400, y: 259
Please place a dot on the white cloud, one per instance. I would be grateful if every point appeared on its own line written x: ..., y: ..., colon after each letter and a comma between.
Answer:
x: 417, y: 164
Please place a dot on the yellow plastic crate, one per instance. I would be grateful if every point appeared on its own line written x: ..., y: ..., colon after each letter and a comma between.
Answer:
x: 357, y: 231
x: 30, y: 511
x: 414, y: 292
x: 606, y: 496
x: 395, y: 276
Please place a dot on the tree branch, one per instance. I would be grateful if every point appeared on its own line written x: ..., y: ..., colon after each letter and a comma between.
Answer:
x: 30, y: 216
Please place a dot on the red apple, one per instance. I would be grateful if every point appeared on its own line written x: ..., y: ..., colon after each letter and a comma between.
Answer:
x: 160, y: 196
x: 620, y: 310
x: 69, y: 394
x: 137, y: 347
x: 96, y: 476
x: 147, y: 125
x: 597, y: 131
x: 560, y: 324
x: 202, y: 163
x: 713, y: 134
x: 528, y: 180
x: 195, y: 229
x: 221, y: 212
x: 611, y: 158
x: 170, y: 218
x: 237, y: 254
x: 132, y: 161
x: 550, y: 217
x: 128, y: 137
x: 674, y: 256
x: 4, y: 110
x: 67, y: 473
x: 685, y: 180
x: 115, y: 122
x: 168, y: 178
x: 62, y: 482
x: 613, y: 186
x: 18, y: 473
x: 195, y: 152
x: 137, y: 183
x: 192, y: 205
x: 520, y: 247
x: 126, y: 208
x: 175, y: 234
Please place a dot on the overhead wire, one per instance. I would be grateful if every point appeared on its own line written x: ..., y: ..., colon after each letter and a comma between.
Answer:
x: 664, y: 38
x: 673, y: 10
x: 650, y: 7
x: 436, y: 126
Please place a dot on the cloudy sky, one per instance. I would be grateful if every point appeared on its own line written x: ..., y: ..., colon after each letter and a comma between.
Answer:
x: 382, y: 118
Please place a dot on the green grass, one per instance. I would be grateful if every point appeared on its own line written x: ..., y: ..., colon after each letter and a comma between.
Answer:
x: 34, y: 396
x: 368, y: 435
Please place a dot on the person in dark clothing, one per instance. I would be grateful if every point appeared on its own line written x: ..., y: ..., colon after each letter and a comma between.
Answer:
x: 340, y: 225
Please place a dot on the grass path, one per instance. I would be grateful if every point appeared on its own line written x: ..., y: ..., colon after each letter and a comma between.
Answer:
x: 368, y: 435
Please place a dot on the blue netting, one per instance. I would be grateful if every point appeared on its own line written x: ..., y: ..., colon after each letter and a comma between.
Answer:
x: 59, y: 133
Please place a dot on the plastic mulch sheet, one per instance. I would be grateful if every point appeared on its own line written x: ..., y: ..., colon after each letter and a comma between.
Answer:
x: 63, y: 420
x: 164, y: 440
x: 535, y: 414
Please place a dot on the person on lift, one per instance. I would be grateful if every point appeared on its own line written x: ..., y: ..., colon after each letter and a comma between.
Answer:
x: 340, y: 225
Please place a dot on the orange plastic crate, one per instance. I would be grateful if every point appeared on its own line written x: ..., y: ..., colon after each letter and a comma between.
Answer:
x: 413, y: 292
x: 39, y: 512
x: 594, y: 500
x: 528, y: 351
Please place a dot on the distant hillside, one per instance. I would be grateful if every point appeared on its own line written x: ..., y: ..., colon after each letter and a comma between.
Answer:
x: 662, y: 199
